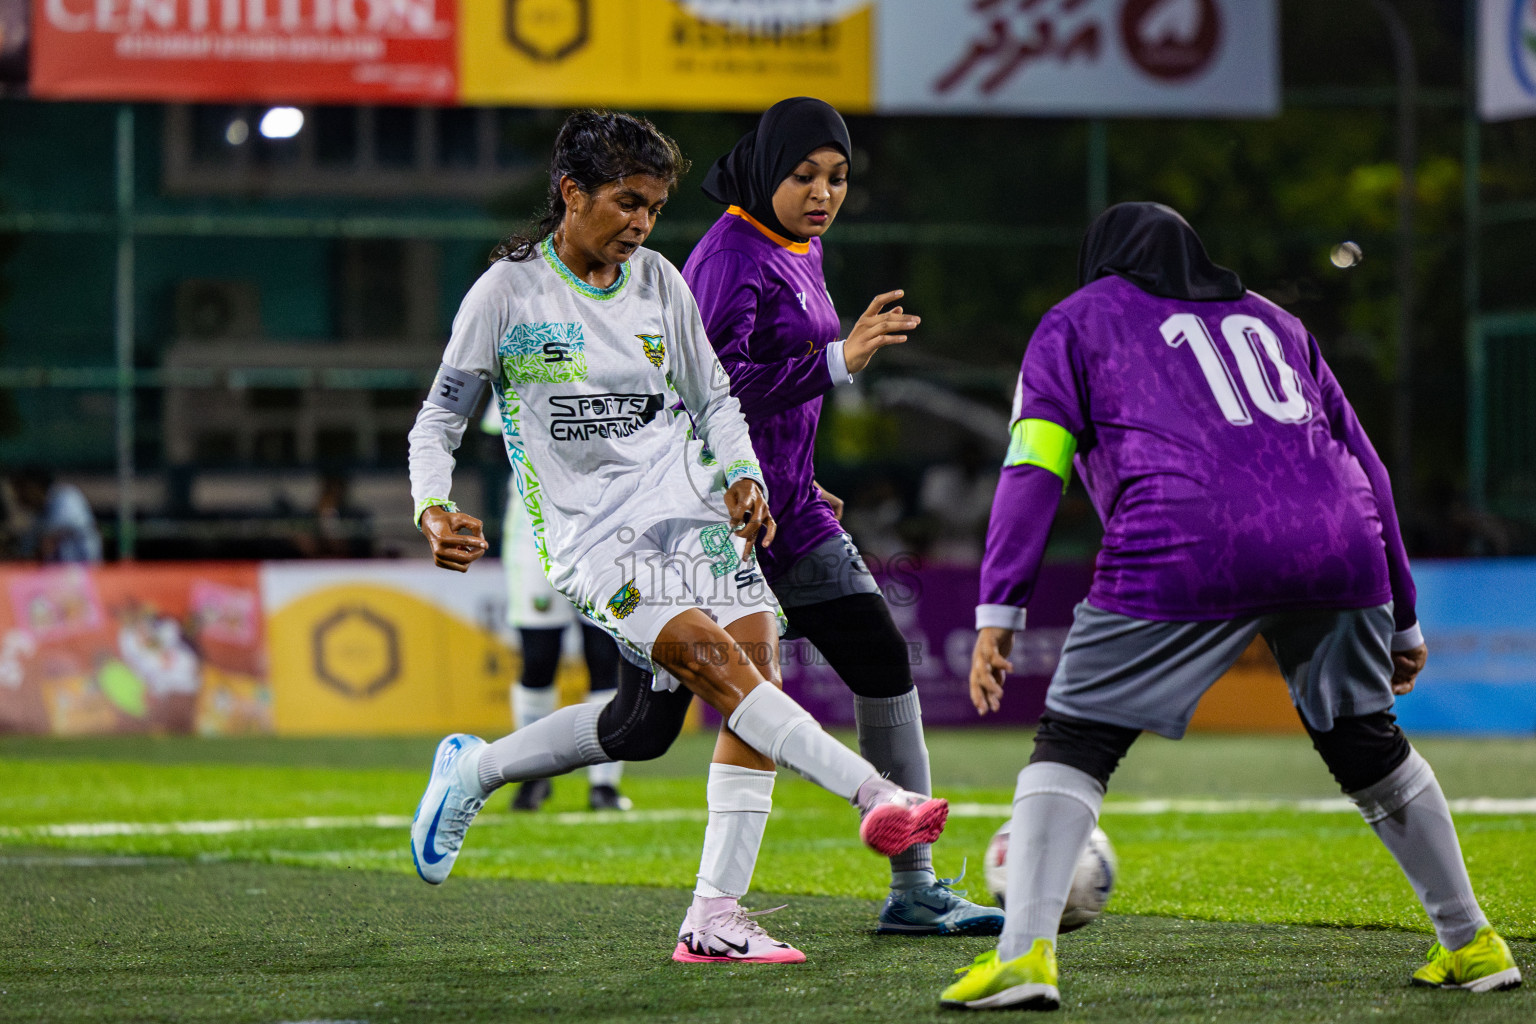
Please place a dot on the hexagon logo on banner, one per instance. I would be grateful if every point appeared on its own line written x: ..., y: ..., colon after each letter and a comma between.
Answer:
x: 548, y: 30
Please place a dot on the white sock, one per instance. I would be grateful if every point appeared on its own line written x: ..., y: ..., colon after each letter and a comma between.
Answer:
x: 776, y: 727
x: 1055, y: 807
x: 739, y: 801
x: 562, y: 742
x: 611, y: 773
x: 530, y: 705
x: 1408, y: 812
x: 891, y: 737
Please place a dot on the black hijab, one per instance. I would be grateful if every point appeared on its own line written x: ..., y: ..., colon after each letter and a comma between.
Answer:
x: 1155, y: 249
x: 788, y: 132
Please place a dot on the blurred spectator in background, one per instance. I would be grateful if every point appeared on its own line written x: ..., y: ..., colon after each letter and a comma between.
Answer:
x: 340, y: 529
x: 874, y: 519
x: 956, y: 498
x: 63, y: 529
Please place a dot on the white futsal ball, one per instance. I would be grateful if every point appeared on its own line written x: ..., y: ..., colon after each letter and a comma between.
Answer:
x: 1091, y: 885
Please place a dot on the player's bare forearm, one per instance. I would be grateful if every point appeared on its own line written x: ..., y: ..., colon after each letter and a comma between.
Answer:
x: 451, y: 547
x: 989, y: 666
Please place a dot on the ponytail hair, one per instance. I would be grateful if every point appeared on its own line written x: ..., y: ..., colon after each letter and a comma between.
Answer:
x: 593, y: 148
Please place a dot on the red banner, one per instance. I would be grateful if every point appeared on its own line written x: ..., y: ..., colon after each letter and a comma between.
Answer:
x: 142, y: 648
x: 342, y: 51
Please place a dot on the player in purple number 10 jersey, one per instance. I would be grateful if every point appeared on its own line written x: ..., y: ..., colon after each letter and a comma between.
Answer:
x: 1240, y: 498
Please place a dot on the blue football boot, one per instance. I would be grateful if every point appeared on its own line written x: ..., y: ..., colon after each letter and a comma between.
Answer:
x: 452, y: 800
x: 937, y: 909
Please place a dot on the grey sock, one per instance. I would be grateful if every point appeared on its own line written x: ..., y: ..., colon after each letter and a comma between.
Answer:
x: 1408, y: 812
x: 1055, y: 808
x: 891, y: 739
x: 562, y: 742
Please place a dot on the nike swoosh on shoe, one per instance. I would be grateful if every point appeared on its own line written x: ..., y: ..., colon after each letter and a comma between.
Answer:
x: 430, y: 854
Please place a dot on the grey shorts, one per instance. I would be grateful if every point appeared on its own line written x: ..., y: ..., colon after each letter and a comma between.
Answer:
x: 832, y: 569
x: 1150, y: 675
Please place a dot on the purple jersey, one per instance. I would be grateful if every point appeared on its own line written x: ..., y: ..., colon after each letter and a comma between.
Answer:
x: 1230, y: 472
x: 768, y: 315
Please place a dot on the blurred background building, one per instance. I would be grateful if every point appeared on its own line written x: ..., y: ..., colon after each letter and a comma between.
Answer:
x: 232, y: 243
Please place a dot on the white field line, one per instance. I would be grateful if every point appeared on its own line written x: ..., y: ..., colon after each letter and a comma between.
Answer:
x: 1334, y: 805
x: 97, y: 829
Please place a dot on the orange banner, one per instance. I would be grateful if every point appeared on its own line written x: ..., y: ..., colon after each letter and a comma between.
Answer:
x: 161, y: 649
x: 343, y: 51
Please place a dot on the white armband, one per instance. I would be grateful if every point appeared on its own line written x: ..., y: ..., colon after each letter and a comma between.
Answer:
x: 1407, y: 639
x: 837, y: 366
x: 999, y: 616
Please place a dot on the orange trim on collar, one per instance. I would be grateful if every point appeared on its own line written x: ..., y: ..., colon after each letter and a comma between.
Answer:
x: 798, y: 248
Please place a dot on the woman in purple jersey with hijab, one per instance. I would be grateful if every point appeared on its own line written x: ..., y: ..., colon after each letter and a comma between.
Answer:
x: 1240, y: 498
x: 757, y: 276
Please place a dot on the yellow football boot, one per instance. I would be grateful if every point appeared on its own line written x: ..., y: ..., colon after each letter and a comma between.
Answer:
x: 1482, y: 965
x: 1023, y: 983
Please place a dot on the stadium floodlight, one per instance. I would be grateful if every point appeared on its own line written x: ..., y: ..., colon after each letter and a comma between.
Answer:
x: 282, y: 122
x: 237, y: 132
x: 1346, y: 254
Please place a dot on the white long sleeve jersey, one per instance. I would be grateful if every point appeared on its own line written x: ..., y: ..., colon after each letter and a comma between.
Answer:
x: 596, y: 387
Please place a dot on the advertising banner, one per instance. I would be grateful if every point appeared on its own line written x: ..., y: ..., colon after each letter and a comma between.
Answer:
x: 672, y: 54
x: 341, y: 51
x: 1079, y: 57
x: 935, y: 609
x: 387, y: 647
x: 1479, y: 623
x: 1506, y: 59
x: 133, y: 649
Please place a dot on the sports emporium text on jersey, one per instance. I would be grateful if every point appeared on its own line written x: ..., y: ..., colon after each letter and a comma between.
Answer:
x: 583, y: 417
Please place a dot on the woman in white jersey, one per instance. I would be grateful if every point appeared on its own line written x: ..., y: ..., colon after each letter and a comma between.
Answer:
x: 634, y: 464
x: 542, y: 617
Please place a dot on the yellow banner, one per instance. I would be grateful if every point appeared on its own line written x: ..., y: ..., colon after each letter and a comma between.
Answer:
x: 674, y: 54
x: 366, y: 658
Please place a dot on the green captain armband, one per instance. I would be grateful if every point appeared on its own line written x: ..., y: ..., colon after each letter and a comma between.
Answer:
x: 426, y: 503
x: 1044, y: 444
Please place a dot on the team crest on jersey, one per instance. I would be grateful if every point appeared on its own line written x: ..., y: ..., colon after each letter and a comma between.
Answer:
x: 544, y: 353
x: 625, y: 601
x: 653, y: 346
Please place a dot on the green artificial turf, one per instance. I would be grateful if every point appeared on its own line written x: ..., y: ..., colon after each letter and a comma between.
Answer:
x: 179, y: 941
x: 1275, y: 913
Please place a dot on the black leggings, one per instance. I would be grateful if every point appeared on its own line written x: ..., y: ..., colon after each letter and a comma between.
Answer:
x: 1359, y: 751
x: 854, y: 633
x: 861, y: 643
x: 541, y: 656
x: 640, y: 723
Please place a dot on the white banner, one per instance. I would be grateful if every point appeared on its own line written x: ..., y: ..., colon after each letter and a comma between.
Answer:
x: 1079, y: 57
x: 1506, y: 59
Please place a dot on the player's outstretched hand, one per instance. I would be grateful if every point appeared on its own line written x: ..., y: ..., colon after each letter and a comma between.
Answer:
x: 831, y: 499
x: 1406, y: 666
x: 875, y: 330
x: 750, y: 518
x: 989, y: 664
x: 450, y: 548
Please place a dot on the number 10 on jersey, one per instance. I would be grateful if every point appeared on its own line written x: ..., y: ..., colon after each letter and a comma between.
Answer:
x: 1247, y: 337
